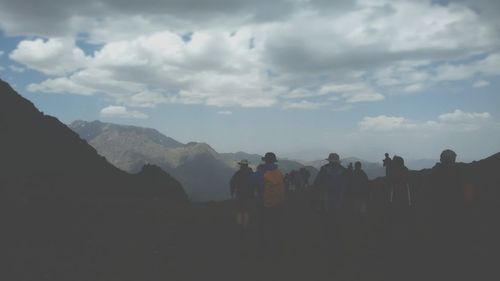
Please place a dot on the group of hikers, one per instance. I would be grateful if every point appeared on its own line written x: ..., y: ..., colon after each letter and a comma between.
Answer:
x: 296, y: 180
x: 334, y: 187
x: 340, y: 192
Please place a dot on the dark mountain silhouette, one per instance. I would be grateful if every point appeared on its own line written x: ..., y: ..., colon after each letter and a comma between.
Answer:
x: 201, y: 170
x: 38, y: 149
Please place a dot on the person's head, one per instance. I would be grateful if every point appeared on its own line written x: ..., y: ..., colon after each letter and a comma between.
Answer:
x: 386, y: 154
x: 333, y: 158
x: 269, y: 157
x: 357, y: 165
x: 398, y: 161
x: 448, y: 156
x: 243, y: 164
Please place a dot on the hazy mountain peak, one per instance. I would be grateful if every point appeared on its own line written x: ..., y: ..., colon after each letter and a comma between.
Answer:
x: 91, y: 130
x: 196, y: 164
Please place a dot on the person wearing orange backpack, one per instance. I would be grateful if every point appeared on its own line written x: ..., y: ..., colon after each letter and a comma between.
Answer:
x: 271, y: 190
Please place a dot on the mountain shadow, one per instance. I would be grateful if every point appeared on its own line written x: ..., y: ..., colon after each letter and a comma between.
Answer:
x: 68, y: 214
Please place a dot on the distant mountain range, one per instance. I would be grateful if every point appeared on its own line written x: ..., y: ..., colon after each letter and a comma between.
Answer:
x: 203, y: 172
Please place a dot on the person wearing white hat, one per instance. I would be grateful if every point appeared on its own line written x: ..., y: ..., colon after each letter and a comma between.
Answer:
x: 243, y: 192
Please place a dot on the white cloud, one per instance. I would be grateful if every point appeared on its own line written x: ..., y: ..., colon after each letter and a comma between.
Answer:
x: 488, y: 66
x: 302, y: 93
x: 60, y: 85
x: 115, y: 111
x: 55, y: 56
x: 216, y: 69
x: 412, y: 88
x: 414, y: 78
x: 1, y: 53
x: 251, y: 53
x: 471, y: 134
x: 383, y: 123
x: 376, y: 33
x: 147, y: 99
x: 343, y: 108
x: 303, y: 105
x: 351, y: 93
x: 458, y: 116
x: 454, y: 121
x: 481, y: 83
x: 225, y: 112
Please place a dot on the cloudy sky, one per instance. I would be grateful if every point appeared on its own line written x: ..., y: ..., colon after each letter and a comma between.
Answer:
x: 299, y: 77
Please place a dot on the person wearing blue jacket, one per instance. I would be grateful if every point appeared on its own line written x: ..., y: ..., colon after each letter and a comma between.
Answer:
x: 330, y: 183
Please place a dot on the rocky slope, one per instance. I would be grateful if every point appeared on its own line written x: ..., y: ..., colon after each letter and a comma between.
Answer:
x: 200, y: 169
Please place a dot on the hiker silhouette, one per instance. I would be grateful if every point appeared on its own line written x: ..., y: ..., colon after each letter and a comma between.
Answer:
x: 400, y: 195
x: 243, y: 192
x: 357, y: 192
x: 269, y: 181
x: 330, y: 181
x: 387, y: 164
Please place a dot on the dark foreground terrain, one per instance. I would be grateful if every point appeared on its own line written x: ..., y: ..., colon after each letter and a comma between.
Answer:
x: 139, y: 241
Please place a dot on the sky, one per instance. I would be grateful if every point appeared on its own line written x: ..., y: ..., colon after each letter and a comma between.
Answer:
x: 301, y: 78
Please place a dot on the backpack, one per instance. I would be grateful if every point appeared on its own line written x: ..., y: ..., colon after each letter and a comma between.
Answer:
x: 274, y: 188
x: 469, y: 192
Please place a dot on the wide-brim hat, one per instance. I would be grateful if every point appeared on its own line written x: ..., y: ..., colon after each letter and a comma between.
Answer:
x: 269, y: 157
x: 243, y: 162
